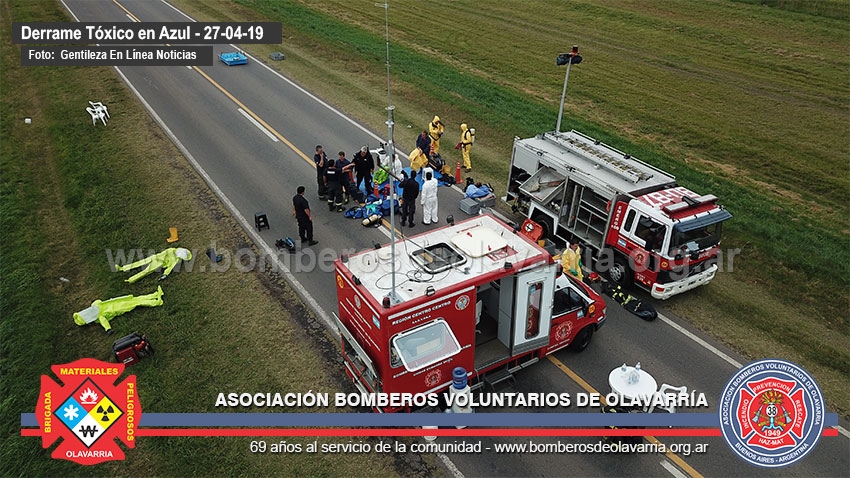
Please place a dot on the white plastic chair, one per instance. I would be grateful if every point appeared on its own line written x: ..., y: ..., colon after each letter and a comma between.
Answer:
x: 98, y: 112
x: 668, y: 388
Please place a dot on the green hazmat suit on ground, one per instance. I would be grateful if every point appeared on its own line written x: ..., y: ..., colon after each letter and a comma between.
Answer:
x: 103, y: 311
x: 166, y: 259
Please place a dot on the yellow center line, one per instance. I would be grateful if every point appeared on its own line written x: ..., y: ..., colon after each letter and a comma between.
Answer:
x: 239, y: 103
x: 126, y: 11
x: 254, y: 115
x: 583, y: 384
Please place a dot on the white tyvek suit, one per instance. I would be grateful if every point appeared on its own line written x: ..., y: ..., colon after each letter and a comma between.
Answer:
x: 428, y: 197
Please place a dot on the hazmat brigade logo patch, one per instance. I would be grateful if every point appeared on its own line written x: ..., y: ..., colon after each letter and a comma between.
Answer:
x: 771, y: 413
x: 88, y: 411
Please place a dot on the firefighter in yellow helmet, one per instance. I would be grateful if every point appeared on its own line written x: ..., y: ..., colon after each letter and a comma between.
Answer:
x: 435, y: 131
x: 467, y: 137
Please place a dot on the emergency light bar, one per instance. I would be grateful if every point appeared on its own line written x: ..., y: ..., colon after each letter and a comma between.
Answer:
x: 688, y: 202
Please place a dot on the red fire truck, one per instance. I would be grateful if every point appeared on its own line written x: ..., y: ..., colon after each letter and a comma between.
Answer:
x: 478, y: 294
x: 640, y: 224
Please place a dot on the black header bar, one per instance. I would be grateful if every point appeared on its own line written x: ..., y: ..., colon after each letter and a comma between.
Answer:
x: 128, y: 33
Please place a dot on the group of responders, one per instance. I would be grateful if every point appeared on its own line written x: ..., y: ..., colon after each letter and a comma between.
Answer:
x: 416, y: 400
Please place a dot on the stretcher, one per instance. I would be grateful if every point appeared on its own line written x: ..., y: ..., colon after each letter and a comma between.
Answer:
x: 233, y: 58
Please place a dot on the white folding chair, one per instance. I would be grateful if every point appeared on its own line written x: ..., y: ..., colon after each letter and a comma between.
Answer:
x: 98, y: 112
x: 668, y: 388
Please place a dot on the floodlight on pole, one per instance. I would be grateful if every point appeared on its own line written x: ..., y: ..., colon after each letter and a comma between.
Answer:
x: 392, y: 297
x: 569, y: 59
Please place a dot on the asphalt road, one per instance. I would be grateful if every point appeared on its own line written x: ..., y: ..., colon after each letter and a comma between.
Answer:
x: 254, y: 169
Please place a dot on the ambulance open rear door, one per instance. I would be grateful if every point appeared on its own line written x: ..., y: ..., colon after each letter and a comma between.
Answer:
x: 533, y: 309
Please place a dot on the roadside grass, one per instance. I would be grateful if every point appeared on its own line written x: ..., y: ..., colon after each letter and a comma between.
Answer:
x: 69, y: 192
x: 718, y: 115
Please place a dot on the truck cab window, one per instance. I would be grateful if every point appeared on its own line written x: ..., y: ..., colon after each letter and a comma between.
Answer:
x: 647, y: 229
x: 630, y: 218
x: 566, y: 300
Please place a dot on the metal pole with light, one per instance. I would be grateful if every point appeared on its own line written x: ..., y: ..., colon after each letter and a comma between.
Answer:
x: 569, y: 59
x: 391, y: 159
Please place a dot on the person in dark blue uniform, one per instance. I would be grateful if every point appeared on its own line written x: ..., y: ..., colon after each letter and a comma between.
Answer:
x: 321, y: 160
x: 301, y: 211
x: 334, y: 188
x: 409, y: 193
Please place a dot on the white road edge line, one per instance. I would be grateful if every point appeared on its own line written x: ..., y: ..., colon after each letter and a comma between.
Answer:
x: 246, y: 226
x: 700, y: 341
x: 258, y: 125
x: 450, y: 465
x: 672, y: 469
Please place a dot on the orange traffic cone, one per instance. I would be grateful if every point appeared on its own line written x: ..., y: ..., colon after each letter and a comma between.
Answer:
x: 457, y: 173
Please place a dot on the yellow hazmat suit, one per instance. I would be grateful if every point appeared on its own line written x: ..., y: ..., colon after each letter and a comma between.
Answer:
x: 103, y: 311
x: 570, y: 259
x: 435, y: 130
x: 417, y: 159
x: 166, y: 259
x: 467, y: 137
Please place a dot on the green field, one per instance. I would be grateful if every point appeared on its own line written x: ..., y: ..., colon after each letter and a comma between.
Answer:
x: 748, y: 102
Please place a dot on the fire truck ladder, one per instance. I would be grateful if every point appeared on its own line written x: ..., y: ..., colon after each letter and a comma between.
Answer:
x: 603, y: 156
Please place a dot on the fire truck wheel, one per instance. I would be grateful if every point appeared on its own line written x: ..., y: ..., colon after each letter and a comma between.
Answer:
x: 545, y: 225
x: 620, y: 272
x: 582, y: 340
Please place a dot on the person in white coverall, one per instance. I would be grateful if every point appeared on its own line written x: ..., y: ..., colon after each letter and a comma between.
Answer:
x: 429, y: 197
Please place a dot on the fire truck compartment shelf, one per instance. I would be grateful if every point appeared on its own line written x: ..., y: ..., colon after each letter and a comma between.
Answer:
x: 544, y: 184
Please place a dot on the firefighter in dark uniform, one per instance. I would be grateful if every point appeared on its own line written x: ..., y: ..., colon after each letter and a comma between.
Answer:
x: 301, y: 211
x: 409, y: 194
x: 334, y: 188
x: 321, y: 160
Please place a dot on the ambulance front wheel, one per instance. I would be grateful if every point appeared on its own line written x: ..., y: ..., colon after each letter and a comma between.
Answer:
x: 582, y: 340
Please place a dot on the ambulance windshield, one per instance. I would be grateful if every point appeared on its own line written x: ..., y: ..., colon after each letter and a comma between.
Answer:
x: 421, y: 347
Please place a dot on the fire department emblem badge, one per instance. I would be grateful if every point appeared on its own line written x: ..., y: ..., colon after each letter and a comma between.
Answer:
x: 88, y: 411
x: 433, y: 378
x: 563, y: 330
x: 462, y: 302
x: 771, y: 413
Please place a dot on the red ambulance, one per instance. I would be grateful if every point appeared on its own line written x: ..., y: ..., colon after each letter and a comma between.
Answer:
x: 478, y: 294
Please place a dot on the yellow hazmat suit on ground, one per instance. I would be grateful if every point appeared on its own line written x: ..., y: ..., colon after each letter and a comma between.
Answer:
x: 570, y: 261
x: 467, y: 137
x: 103, y: 311
x: 166, y: 259
x: 435, y: 130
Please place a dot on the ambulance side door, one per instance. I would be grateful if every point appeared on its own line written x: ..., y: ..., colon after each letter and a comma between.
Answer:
x: 533, y: 312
